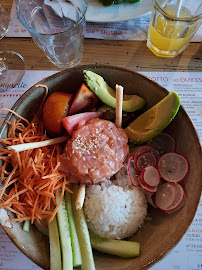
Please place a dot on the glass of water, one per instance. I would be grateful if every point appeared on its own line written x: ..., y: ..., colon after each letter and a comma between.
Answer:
x: 56, y: 27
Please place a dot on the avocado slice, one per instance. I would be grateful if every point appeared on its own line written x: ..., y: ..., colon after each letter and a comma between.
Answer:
x: 107, y: 95
x: 121, y: 248
x: 153, y: 121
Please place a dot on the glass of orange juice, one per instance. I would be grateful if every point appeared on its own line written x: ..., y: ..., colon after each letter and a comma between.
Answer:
x: 173, y: 24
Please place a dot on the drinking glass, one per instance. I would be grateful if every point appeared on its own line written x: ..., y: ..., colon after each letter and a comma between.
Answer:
x: 173, y: 24
x: 57, y: 29
x: 11, y: 63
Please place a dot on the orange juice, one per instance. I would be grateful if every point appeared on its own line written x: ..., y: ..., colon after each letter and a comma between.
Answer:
x: 168, y: 37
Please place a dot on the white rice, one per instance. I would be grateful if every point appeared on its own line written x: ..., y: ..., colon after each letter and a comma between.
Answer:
x: 115, y: 209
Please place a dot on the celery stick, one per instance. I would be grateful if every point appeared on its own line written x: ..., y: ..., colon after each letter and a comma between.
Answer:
x: 26, y: 226
x: 74, y: 238
x: 122, y: 248
x: 65, y: 239
x: 83, y: 235
x: 54, y: 240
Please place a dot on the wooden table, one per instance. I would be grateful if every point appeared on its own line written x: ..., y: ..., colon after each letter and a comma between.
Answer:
x: 133, y: 55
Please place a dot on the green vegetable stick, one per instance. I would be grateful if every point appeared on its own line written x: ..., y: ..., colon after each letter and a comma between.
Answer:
x: 26, y: 226
x: 65, y: 239
x: 83, y: 235
x: 55, y: 252
x: 74, y: 238
x: 121, y: 248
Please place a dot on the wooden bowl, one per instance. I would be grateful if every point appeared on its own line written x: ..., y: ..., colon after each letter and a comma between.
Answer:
x: 163, y: 231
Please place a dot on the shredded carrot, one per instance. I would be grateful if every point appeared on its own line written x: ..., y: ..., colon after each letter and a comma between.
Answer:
x: 22, y: 118
x: 32, y: 180
x: 59, y: 202
x: 68, y: 190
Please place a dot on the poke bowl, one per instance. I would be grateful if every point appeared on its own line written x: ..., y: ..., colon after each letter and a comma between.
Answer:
x: 160, y: 231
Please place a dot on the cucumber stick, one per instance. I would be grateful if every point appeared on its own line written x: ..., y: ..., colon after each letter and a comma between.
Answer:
x: 74, y: 238
x: 55, y: 252
x: 65, y: 239
x: 121, y: 248
x: 26, y: 226
x: 83, y: 234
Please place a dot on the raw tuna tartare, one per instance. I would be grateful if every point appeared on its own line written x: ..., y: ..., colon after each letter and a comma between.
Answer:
x: 95, y: 152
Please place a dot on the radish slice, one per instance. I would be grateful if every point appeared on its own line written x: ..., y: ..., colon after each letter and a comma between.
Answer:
x: 165, y: 196
x: 144, y: 160
x: 173, y: 167
x: 179, y: 206
x: 179, y: 196
x: 146, y: 188
x: 133, y: 175
x: 150, y: 176
x: 71, y: 122
x: 145, y: 148
x: 163, y: 142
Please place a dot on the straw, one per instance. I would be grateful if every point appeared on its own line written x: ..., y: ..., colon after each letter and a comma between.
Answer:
x: 165, y: 3
x: 179, y: 5
x: 119, y: 102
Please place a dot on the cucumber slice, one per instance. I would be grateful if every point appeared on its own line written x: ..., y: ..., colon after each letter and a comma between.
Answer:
x: 121, y: 248
x: 83, y: 234
x: 74, y: 238
x: 55, y: 252
x: 65, y: 239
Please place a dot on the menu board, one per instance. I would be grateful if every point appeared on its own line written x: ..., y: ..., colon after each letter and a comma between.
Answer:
x: 187, y: 254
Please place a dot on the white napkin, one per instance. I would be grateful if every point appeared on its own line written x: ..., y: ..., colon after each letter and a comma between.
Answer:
x: 55, y: 5
x: 4, y: 217
x: 63, y: 8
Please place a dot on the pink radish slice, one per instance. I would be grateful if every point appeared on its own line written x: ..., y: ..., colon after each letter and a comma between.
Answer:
x: 150, y: 176
x: 178, y: 207
x: 179, y: 195
x: 163, y: 142
x: 71, y: 122
x: 173, y: 167
x: 144, y: 160
x: 146, y: 188
x: 165, y: 196
x: 145, y: 148
x: 133, y: 175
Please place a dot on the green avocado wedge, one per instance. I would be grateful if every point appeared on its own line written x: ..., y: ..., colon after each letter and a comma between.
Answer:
x: 107, y: 95
x: 153, y: 121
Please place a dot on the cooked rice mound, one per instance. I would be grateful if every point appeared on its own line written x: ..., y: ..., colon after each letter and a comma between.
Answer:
x: 114, y: 211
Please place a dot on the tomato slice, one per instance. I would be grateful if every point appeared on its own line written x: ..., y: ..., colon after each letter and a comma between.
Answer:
x: 84, y: 100
x: 72, y: 122
x: 55, y: 108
